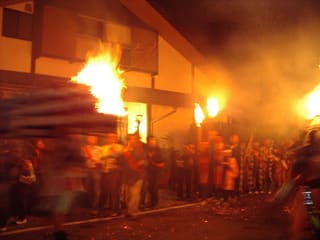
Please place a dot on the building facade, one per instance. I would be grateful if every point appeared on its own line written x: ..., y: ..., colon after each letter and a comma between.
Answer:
x: 45, y: 43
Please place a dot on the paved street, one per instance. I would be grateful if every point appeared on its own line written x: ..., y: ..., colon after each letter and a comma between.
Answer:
x: 245, y: 219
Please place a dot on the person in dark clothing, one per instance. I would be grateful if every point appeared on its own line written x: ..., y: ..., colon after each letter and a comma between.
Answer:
x: 303, y: 189
x: 22, y: 189
x: 185, y: 172
x: 63, y: 171
x: 9, y: 172
x: 155, y: 164
x: 134, y: 171
x: 4, y: 205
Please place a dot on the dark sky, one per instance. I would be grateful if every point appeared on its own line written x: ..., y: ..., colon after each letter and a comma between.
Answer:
x: 216, y: 26
x: 270, y: 49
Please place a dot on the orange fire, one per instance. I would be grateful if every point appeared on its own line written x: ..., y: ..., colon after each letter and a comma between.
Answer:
x: 311, y: 104
x: 213, y: 107
x: 198, y: 115
x: 102, y: 74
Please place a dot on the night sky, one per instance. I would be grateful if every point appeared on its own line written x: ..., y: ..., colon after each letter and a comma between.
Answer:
x: 215, y: 26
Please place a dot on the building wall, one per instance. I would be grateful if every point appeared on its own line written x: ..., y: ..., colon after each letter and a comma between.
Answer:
x: 175, y: 73
x: 173, y: 130
x: 15, y: 54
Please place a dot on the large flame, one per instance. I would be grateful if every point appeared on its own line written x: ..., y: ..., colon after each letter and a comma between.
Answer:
x: 102, y: 74
x: 310, y: 106
x: 198, y: 115
x: 213, y: 107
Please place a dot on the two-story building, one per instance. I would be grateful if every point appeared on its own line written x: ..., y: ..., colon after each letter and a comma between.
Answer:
x: 43, y: 43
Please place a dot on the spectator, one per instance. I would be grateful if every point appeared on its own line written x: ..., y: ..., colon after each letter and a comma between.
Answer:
x: 231, y: 174
x: 238, y: 155
x: 135, y: 159
x: 63, y: 171
x: 155, y: 164
x: 203, y: 168
x: 218, y: 166
x: 92, y: 153
x: 185, y: 172
x: 23, y: 186
x: 112, y: 164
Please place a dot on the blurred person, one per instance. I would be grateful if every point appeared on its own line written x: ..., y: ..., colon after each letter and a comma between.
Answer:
x: 218, y: 166
x: 135, y: 163
x: 63, y: 171
x: 252, y: 168
x: 22, y: 189
x: 39, y: 148
x: 154, y: 166
x: 185, y: 172
x: 204, y: 169
x: 236, y: 152
x: 270, y: 163
x: 303, y: 189
x: 279, y: 168
x: 92, y: 154
x: 112, y: 164
x: 260, y: 158
x: 231, y: 174
x: 5, y: 213
x: 212, y: 135
x: 8, y: 179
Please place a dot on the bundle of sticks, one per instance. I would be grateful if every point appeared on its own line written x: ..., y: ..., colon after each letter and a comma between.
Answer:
x: 53, y: 112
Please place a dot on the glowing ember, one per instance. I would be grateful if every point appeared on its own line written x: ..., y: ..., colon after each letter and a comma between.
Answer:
x: 198, y: 115
x: 311, y: 103
x: 102, y: 74
x: 213, y: 107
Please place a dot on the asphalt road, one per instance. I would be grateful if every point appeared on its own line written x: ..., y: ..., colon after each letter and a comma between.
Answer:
x: 246, y: 219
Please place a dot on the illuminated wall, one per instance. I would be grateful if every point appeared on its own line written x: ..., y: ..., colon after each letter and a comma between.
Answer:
x: 175, y: 71
x: 173, y: 130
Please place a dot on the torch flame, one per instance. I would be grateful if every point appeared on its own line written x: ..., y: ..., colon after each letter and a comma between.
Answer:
x: 311, y: 103
x: 198, y: 114
x: 213, y: 107
x: 102, y: 74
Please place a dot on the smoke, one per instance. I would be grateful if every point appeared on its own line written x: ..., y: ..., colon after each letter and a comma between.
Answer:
x: 270, y: 52
x: 264, y: 55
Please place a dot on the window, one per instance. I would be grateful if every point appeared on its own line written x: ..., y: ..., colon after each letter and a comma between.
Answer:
x: 125, y: 58
x: 89, y: 27
x: 17, y: 24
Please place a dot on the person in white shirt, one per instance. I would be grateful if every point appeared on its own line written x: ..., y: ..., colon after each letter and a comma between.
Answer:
x: 92, y: 153
x: 112, y: 161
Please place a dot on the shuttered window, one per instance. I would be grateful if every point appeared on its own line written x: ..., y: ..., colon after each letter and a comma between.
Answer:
x: 17, y: 24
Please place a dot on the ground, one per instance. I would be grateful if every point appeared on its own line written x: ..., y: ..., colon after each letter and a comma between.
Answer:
x: 250, y: 218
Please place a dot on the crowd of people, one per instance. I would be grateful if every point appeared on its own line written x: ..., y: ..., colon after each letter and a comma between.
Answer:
x: 124, y: 178
x: 228, y: 169
x: 51, y: 173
